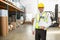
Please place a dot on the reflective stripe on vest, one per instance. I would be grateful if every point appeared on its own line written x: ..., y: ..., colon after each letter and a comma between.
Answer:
x: 38, y: 18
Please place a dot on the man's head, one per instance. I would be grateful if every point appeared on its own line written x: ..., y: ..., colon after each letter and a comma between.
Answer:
x: 41, y: 7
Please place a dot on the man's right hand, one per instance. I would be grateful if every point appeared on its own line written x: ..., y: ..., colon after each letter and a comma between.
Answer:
x: 33, y: 32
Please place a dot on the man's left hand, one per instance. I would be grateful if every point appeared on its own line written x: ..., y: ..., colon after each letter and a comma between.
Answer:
x: 42, y: 27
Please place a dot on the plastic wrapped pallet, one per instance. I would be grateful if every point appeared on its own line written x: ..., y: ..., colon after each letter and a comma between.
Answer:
x: 18, y: 23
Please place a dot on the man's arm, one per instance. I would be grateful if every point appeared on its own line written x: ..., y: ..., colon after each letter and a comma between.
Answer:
x: 34, y: 24
x: 45, y: 25
x: 33, y: 28
x: 49, y: 20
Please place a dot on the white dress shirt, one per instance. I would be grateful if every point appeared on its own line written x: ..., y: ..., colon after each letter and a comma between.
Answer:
x: 43, y: 23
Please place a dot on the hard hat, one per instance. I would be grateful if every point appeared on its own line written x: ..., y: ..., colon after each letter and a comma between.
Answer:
x: 40, y: 5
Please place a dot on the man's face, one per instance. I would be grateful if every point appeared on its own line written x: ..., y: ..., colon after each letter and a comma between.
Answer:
x: 41, y: 9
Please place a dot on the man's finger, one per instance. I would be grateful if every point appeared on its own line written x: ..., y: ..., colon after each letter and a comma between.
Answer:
x: 33, y: 32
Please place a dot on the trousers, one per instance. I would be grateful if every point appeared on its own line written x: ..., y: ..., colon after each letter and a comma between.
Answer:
x: 40, y: 34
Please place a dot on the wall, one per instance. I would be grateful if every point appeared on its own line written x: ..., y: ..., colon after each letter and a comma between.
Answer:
x: 31, y: 6
x: 49, y: 4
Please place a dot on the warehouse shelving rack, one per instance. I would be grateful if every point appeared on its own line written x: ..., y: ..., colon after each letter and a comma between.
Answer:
x: 6, y: 5
x: 10, y: 6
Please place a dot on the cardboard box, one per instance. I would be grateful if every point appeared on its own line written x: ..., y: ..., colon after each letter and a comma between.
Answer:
x: 3, y: 26
x: 3, y: 22
x: 14, y: 25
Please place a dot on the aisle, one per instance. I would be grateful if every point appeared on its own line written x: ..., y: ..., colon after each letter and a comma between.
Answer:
x: 24, y: 32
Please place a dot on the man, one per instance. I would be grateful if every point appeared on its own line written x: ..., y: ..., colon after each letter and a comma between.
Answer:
x: 41, y: 22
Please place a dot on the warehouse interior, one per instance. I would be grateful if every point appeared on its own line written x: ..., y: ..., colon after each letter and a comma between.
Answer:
x: 16, y: 19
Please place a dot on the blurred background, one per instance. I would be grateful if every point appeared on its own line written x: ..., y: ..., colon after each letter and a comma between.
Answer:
x: 16, y: 19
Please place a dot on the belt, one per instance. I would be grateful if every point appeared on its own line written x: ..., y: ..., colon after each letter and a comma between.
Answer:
x: 40, y: 28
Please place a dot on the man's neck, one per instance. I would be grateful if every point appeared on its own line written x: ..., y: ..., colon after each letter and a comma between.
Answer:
x: 41, y: 12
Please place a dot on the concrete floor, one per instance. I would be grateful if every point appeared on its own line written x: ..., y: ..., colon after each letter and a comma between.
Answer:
x: 24, y: 32
x: 53, y: 33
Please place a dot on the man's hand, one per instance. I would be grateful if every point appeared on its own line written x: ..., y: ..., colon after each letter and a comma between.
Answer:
x: 33, y: 32
x: 42, y: 27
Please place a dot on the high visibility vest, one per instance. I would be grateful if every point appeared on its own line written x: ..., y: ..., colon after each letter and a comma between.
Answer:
x: 38, y: 18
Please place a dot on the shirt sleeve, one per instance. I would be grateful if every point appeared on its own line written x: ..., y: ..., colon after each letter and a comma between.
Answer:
x: 49, y: 20
x: 34, y: 23
x: 33, y: 28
